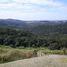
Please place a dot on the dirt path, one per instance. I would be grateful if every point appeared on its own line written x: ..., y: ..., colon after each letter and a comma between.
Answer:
x: 43, y: 61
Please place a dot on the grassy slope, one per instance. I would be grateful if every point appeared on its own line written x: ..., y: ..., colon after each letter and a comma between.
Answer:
x: 8, y: 54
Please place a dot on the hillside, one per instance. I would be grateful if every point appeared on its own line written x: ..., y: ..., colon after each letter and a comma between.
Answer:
x: 40, y: 27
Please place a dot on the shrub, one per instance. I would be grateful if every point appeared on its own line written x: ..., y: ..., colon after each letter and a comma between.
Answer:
x: 35, y: 53
x: 54, y: 46
x: 64, y: 51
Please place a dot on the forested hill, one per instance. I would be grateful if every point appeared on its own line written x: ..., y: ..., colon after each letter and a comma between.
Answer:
x: 18, y: 38
x: 40, y: 27
x: 50, y: 34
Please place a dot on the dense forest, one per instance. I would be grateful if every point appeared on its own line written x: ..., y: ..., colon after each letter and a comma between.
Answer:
x: 48, y: 34
x: 20, y: 38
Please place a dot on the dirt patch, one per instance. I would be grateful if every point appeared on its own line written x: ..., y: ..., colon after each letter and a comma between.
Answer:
x: 43, y: 61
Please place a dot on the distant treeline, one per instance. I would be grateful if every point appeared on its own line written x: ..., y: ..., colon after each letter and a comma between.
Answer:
x: 18, y: 38
x: 60, y: 28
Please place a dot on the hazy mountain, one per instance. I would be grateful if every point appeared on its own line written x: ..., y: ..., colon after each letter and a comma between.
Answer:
x: 12, y: 23
x: 46, y: 27
x: 36, y: 26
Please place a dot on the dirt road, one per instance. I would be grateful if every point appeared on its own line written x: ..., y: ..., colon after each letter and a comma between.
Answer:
x: 43, y: 61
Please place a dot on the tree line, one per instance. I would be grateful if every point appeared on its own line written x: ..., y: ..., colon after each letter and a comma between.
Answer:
x: 19, y: 38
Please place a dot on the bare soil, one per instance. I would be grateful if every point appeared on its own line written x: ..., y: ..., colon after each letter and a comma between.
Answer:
x: 43, y: 61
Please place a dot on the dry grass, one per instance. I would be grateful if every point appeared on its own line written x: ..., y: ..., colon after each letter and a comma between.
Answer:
x: 7, y: 55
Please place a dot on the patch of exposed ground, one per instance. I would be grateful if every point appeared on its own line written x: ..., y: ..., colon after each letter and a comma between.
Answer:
x: 43, y: 61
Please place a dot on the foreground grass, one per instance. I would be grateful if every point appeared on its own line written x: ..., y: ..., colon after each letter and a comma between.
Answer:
x: 8, y: 54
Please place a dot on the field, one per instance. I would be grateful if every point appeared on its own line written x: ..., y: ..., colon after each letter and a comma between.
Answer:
x: 8, y: 54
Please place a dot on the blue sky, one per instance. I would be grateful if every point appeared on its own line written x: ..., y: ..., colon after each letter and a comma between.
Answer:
x: 33, y: 9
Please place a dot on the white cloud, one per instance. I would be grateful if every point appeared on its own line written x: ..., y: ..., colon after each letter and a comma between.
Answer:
x: 31, y: 9
x: 31, y: 4
x: 31, y: 16
x: 52, y: 3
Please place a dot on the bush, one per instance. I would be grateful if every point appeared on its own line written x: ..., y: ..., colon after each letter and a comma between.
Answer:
x: 64, y: 51
x: 35, y: 53
x: 54, y: 46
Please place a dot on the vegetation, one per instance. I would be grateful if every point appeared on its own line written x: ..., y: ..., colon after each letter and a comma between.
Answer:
x: 8, y: 54
x: 19, y: 38
x: 16, y: 44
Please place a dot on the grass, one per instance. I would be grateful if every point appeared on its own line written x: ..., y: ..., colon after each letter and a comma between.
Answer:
x: 11, y: 54
x: 65, y: 60
x: 8, y: 54
x: 48, y: 51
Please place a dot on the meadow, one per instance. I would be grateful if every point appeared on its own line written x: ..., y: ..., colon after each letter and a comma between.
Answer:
x: 8, y: 54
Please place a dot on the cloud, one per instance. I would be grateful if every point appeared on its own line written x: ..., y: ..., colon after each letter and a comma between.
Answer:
x: 31, y: 4
x: 38, y: 9
x: 6, y: 1
x: 52, y: 3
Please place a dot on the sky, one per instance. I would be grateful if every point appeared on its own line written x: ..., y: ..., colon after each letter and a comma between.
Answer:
x: 33, y: 9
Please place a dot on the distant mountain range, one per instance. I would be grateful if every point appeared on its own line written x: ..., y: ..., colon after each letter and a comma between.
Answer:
x: 43, y: 27
x: 12, y: 23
